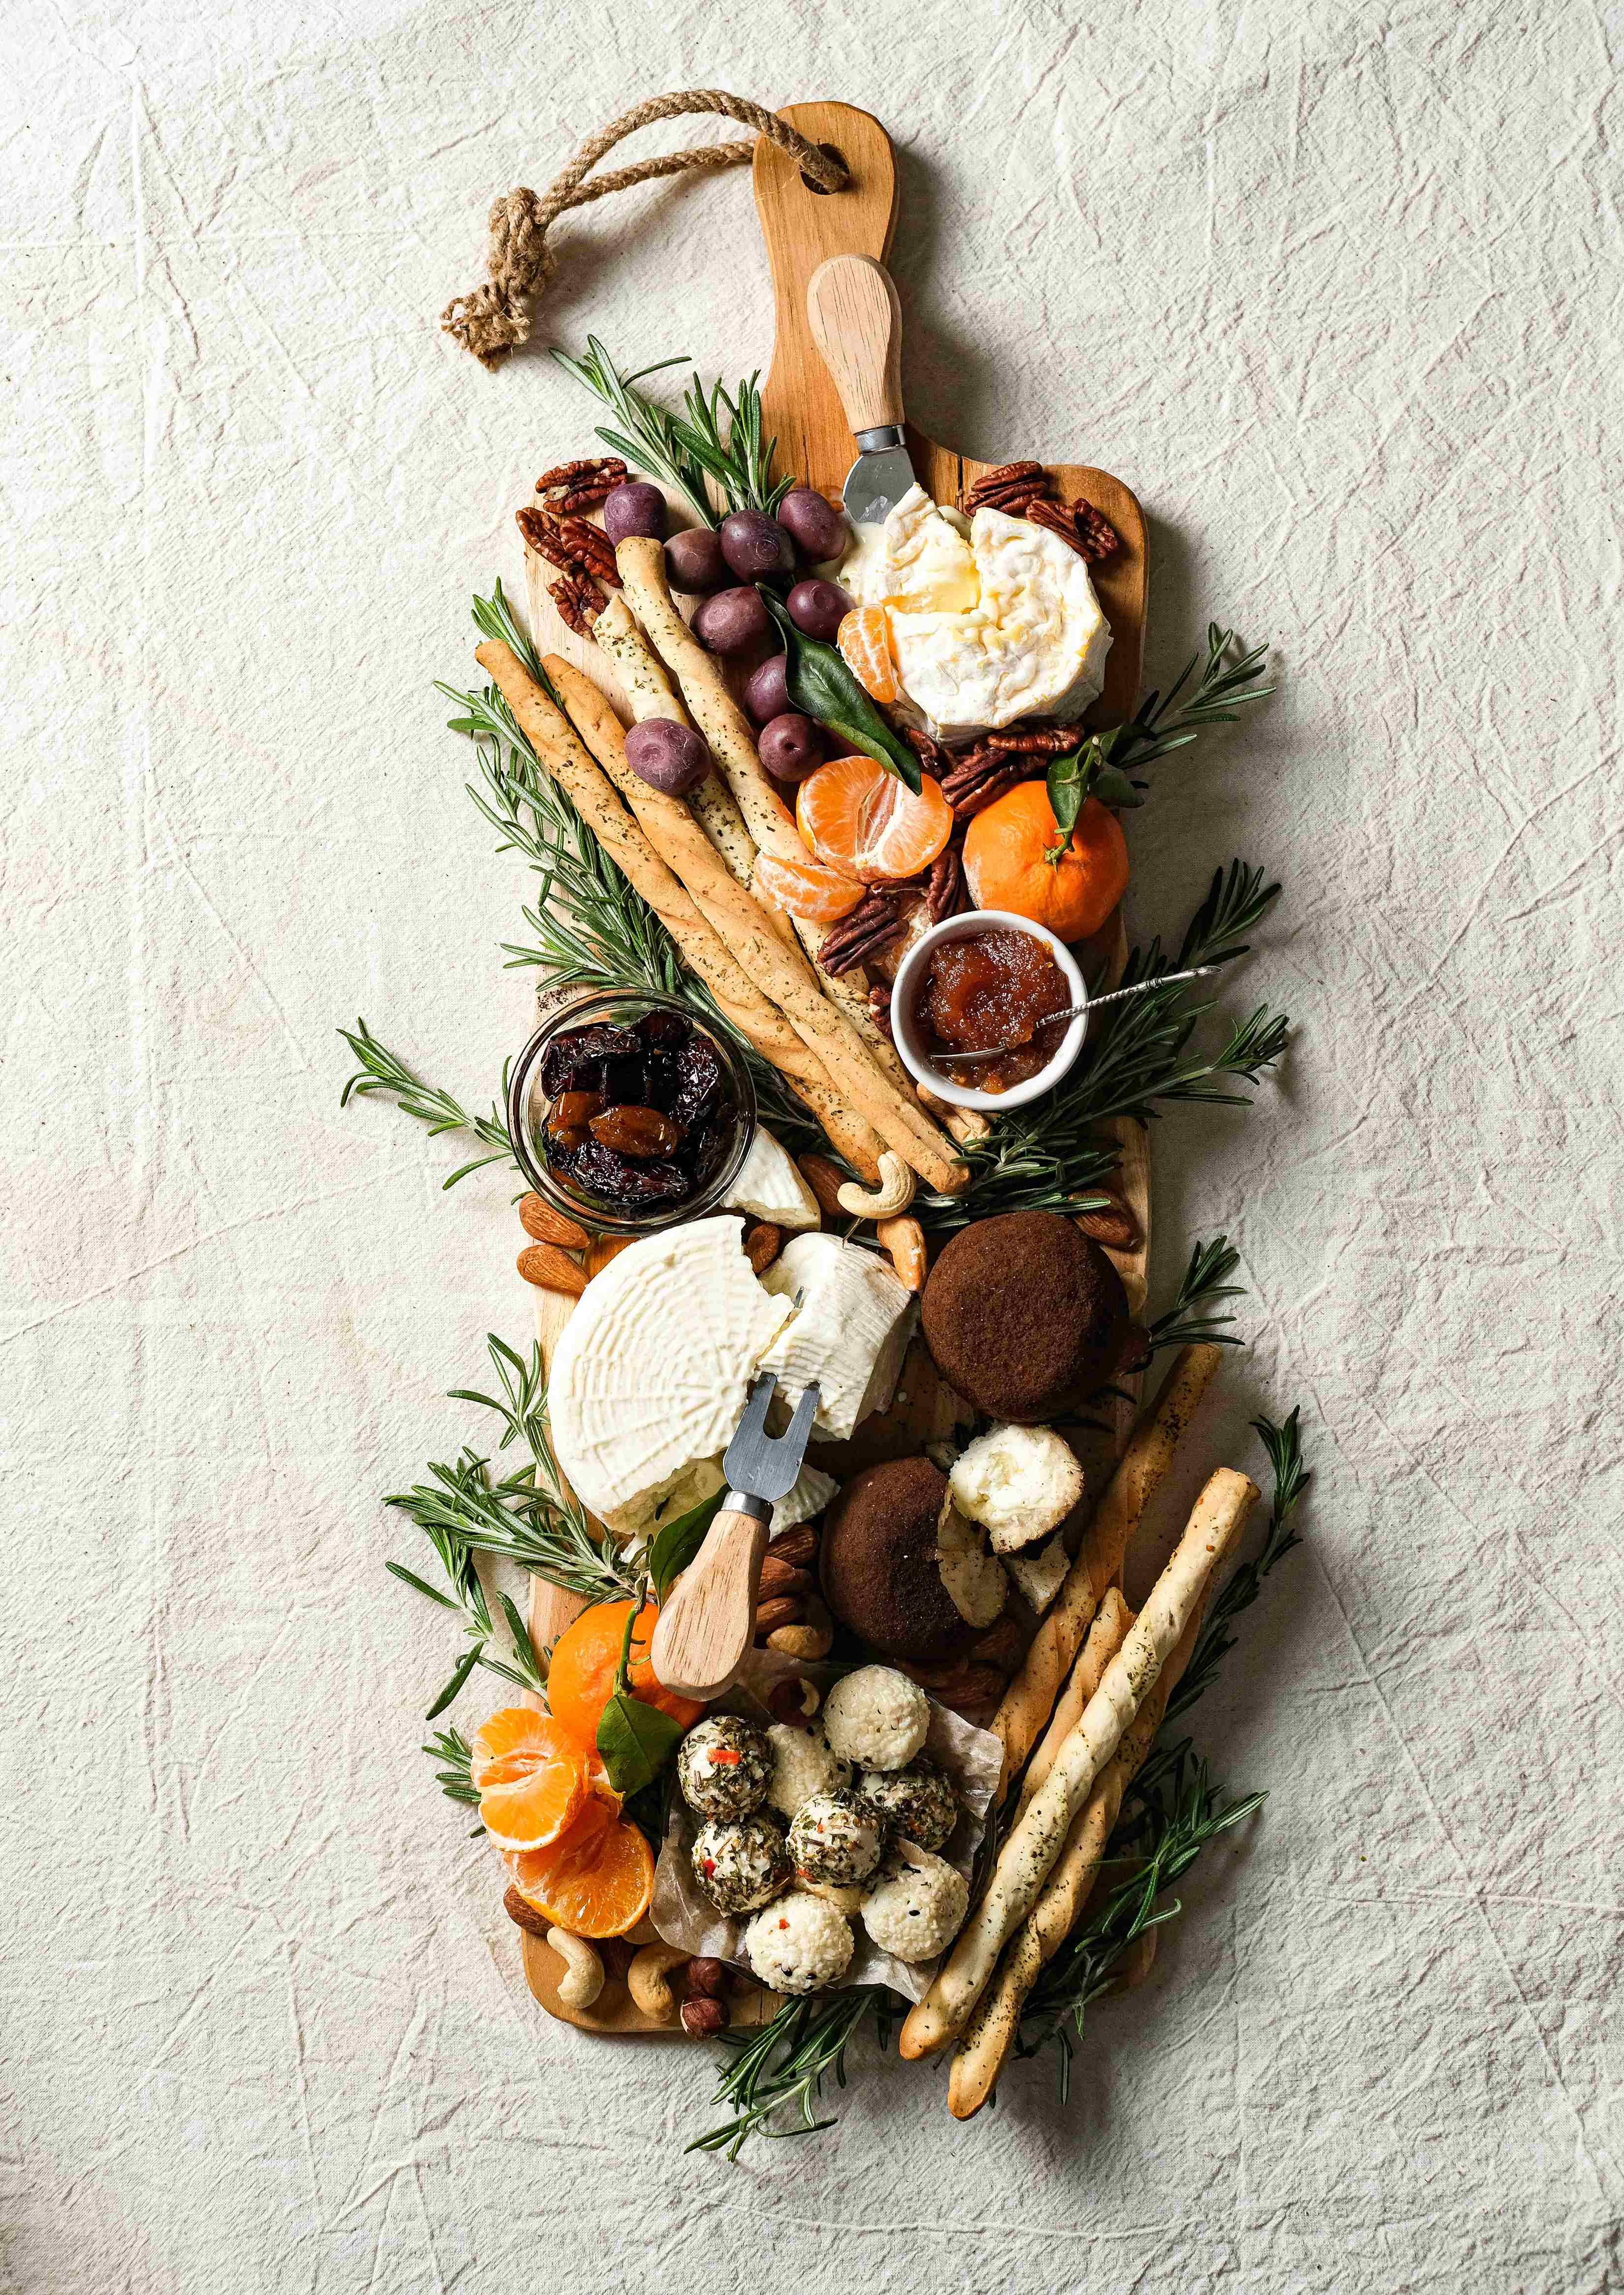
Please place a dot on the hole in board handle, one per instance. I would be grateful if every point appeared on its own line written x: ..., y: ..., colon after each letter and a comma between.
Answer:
x: 829, y: 151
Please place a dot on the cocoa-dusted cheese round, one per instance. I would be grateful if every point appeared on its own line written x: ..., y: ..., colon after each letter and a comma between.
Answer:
x: 878, y: 1561
x: 1023, y: 1314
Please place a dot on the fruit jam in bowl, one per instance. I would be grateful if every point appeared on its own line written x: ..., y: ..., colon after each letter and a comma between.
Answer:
x: 988, y: 977
x: 628, y: 1113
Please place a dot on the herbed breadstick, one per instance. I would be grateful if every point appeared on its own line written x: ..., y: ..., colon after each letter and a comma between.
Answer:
x: 1028, y: 1700
x: 1030, y: 1853
x: 992, y: 2031
x: 1112, y: 1623
x: 739, y: 920
x: 648, y: 691
x: 558, y: 750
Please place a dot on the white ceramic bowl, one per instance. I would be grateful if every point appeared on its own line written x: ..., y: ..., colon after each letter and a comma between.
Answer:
x: 940, y: 1080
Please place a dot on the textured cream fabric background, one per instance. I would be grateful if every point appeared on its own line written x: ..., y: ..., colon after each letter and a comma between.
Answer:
x: 1337, y: 290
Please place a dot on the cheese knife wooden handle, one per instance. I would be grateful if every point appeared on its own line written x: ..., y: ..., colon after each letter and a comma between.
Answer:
x: 706, y: 1625
x: 857, y: 323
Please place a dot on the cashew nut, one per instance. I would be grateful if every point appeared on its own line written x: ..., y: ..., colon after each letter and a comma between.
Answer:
x: 646, y: 1980
x: 582, y: 1979
x: 893, y: 1194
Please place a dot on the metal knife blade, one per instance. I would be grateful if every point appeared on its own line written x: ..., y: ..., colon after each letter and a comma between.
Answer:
x: 879, y: 477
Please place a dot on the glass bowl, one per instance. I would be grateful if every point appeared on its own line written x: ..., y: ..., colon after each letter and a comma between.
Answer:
x: 528, y: 1104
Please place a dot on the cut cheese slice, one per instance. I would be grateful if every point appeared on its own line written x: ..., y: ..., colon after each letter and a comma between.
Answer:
x: 850, y: 1333
x: 653, y: 1368
x: 770, y: 1186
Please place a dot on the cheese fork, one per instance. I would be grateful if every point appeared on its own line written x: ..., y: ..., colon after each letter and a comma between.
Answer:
x: 706, y: 1627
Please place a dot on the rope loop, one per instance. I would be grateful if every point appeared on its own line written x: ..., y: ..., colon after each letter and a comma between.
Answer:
x: 496, y: 317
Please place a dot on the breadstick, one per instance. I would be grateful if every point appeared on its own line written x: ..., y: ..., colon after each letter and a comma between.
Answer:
x: 740, y: 923
x: 992, y: 2031
x: 1030, y: 1853
x: 559, y: 750
x: 1107, y: 1635
x: 649, y: 690
x: 1030, y: 1696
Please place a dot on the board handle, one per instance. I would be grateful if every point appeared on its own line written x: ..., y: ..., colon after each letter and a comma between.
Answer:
x: 857, y: 323
x: 703, y: 1631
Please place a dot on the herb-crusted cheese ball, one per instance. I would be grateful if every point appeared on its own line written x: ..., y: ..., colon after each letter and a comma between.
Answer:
x: 799, y: 1944
x: 917, y: 1906
x: 834, y: 1840
x: 877, y: 1717
x: 917, y: 1801
x: 740, y: 1862
x: 1019, y: 1483
x: 803, y: 1765
x: 723, y: 1767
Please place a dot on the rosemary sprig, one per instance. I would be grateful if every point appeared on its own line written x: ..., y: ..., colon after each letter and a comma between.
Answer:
x: 384, y: 1071
x: 1228, y: 682
x: 467, y: 1597
x: 783, y: 2067
x: 456, y: 1779
x: 736, y: 458
x: 648, y: 438
x: 1189, y: 1320
x: 1284, y: 1444
x: 1185, y: 1812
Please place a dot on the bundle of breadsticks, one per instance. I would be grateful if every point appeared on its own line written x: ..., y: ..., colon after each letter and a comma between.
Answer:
x: 1090, y: 1696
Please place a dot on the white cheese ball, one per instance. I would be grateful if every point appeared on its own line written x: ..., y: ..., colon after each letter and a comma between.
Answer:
x: 877, y: 1717
x: 723, y: 1767
x: 799, y: 1944
x: 834, y: 1840
x: 917, y: 1906
x: 803, y: 1765
x: 1019, y: 1483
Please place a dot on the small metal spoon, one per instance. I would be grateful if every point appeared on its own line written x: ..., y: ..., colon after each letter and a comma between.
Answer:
x: 1077, y: 1012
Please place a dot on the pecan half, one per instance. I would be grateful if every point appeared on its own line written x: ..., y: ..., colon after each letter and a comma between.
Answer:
x: 1080, y: 525
x: 945, y: 894
x: 873, y: 924
x: 579, y: 601
x: 1034, y: 740
x: 980, y: 776
x: 589, y: 549
x: 879, y: 1008
x: 933, y: 757
x: 1009, y: 487
x: 582, y: 484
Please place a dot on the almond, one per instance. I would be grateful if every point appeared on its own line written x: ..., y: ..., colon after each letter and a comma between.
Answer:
x: 781, y: 1610
x: 551, y: 1269
x: 903, y: 1240
x: 538, y: 1218
x: 607, y: 1247
x: 1111, y: 1225
x: 781, y: 1577
x: 826, y: 1179
x: 524, y: 1914
x: 798, y: 1546
x: 763, y: 1245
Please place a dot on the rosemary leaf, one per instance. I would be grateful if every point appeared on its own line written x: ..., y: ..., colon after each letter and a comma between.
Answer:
x: 783, y: 2067
x: 648, y: 438
x: 1189, y: 1320
x: 385, y: 1073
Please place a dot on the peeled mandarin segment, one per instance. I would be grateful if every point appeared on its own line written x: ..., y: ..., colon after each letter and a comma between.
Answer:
x: 597, y: 1880
x: 864, y: 640
x: 861, y: 819
x: 806, y: 889
x: 529, y: 1794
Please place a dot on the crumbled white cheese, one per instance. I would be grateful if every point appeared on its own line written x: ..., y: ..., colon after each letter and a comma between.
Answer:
x: 974, y: 1579
x: 1019, y: 1483
x: 1039, y: 1576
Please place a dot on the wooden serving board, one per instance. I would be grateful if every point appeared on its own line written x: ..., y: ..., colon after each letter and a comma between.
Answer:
x: 802, y: 228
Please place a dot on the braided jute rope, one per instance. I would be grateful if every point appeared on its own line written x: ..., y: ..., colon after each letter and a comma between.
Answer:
x: 496, y: 317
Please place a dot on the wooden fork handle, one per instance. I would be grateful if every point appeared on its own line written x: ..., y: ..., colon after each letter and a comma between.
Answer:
x: 706, y: 1624
x: 857, y: 323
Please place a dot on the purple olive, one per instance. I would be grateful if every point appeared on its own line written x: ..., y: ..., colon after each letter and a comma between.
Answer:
x: 694, y: 562
x: 816, y: 524
x: 767, y: 688
x: 818, y: 608
x: 634, y: 508
x: 754, y: 544
x: 732, y: 621
x: 667, y: 757
x: 791, y: 747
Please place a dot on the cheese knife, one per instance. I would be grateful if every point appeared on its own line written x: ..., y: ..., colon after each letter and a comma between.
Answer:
x: 857, y: 323
x: 704, y: 1630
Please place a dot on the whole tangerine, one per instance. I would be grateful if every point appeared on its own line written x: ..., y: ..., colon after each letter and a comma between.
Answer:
x: 1015, y: 858
x: 585, y: 1656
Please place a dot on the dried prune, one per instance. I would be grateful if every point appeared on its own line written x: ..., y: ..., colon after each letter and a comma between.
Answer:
x: 662, y: 1032
x: 660, y: 1082
x: 624, y: 1180
x: 698, y: 1066
x: 573, y: 1062
x: 638, y: 1132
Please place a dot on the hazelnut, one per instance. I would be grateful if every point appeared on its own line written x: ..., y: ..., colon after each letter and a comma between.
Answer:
x: 708, y: 1977
x: 702, y: 2018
